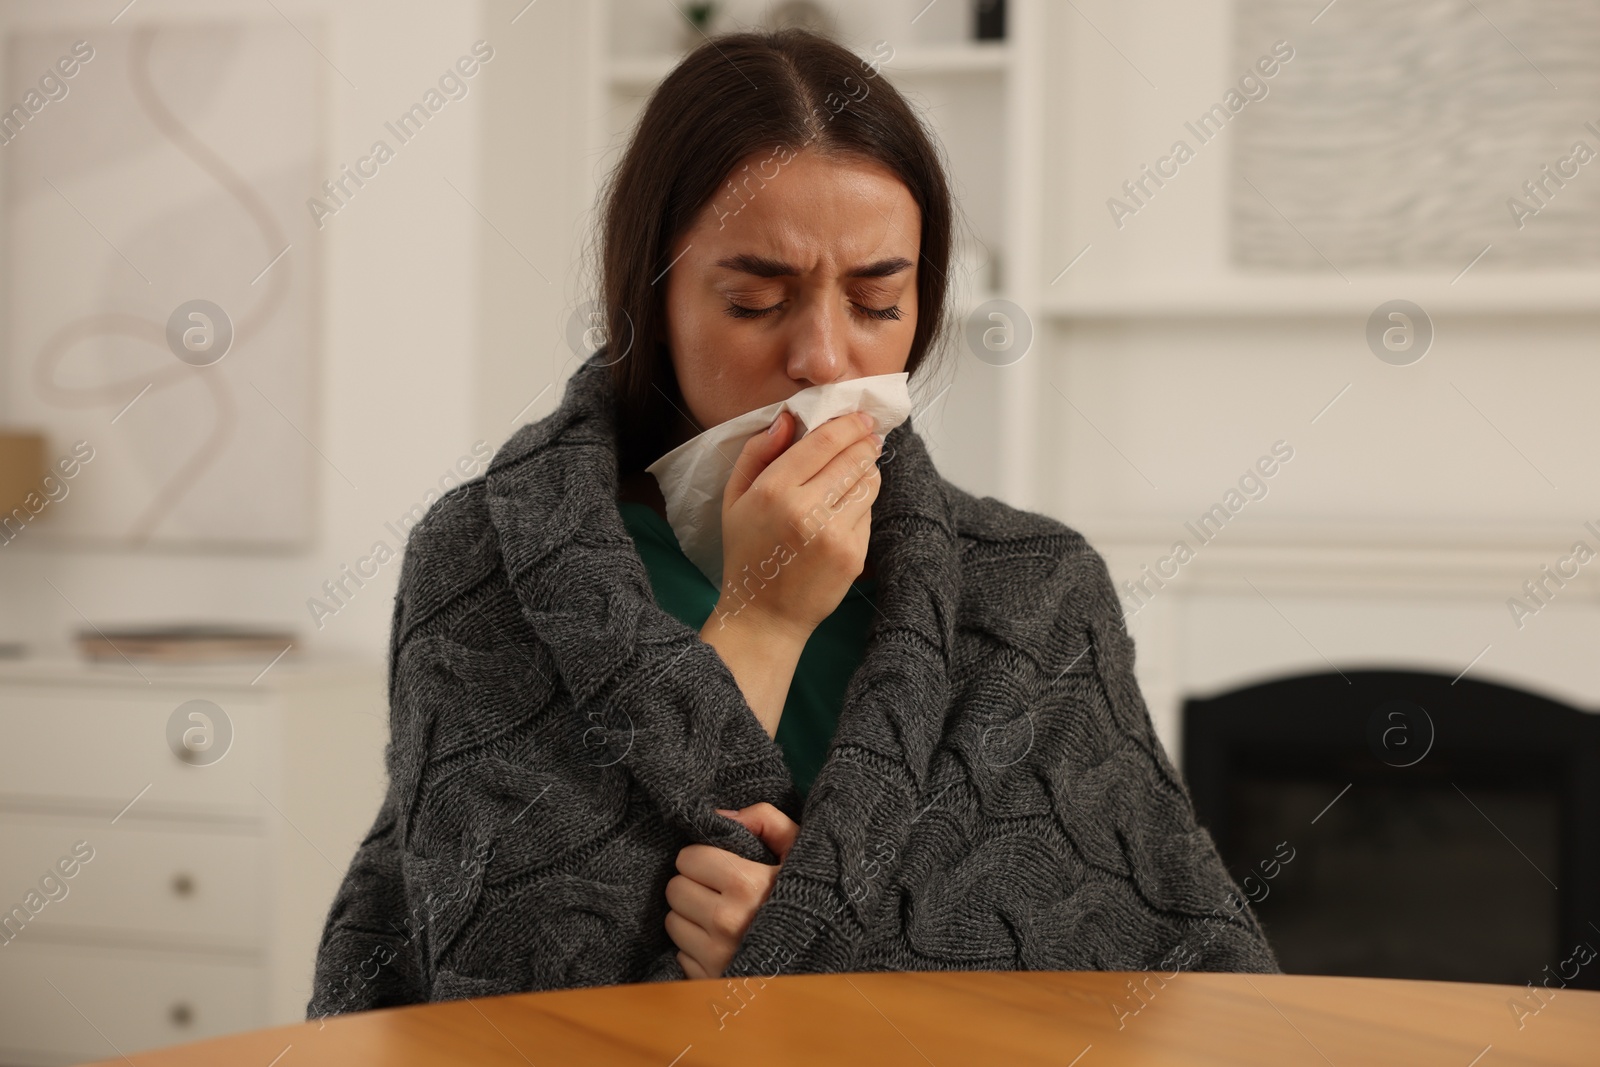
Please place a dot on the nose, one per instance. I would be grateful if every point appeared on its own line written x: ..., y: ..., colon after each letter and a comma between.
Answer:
x: 817, y: 342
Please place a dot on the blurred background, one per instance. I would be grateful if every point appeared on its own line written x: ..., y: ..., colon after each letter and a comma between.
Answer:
x: 1290, y: 307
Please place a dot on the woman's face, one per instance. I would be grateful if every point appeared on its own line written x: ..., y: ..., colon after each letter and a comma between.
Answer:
x: 804, y: 277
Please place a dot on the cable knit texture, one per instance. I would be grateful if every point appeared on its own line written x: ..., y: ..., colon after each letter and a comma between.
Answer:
x: 995, y: 796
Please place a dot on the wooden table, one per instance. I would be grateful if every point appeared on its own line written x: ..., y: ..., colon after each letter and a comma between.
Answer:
x: 1062, y: 1018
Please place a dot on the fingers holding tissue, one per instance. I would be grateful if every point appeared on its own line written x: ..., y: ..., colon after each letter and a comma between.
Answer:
x: 694, y: 475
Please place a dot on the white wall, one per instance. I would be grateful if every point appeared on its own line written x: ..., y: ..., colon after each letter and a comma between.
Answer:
x: 1416, y: 505
x: 536, y: 175
x: 399, y: 339
x: 1393, y: 538
x: 443, y: 324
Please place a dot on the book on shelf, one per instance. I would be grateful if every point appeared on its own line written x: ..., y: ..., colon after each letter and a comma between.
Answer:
x: 190, y: 643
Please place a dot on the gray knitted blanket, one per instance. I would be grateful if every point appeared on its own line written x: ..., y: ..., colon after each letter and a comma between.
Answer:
x: 995, y: 797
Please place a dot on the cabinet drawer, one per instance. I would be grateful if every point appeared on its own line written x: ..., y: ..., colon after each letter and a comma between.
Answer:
x: 161, y: 884
x: 139, y: 1001
x: 109, y: 746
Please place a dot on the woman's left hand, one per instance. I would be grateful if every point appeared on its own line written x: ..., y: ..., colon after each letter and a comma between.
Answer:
x: 715, y: 895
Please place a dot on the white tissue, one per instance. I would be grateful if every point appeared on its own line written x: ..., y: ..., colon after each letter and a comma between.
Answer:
x: 693, y: 475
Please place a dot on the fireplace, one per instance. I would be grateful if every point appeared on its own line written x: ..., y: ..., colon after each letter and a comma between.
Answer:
x: 1434, y: 829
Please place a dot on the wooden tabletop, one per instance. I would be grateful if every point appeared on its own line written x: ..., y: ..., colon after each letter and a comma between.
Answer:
x: 1061, y: 1018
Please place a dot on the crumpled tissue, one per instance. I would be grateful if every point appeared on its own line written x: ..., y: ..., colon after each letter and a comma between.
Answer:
x: 694, y: 475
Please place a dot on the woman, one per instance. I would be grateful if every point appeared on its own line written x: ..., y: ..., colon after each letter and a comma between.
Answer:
x: 591, y: 779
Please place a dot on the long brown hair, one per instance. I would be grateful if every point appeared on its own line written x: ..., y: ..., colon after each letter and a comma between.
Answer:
x: 735, y: 95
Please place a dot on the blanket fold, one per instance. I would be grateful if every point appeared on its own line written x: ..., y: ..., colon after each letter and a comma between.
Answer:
x: 995, y: 796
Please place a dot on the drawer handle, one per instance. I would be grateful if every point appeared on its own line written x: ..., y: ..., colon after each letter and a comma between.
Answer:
x: 183, y: 884
x: 181, y: 1014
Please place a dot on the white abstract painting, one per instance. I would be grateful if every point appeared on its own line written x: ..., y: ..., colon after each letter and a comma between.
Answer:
x: 171, y: 167
x: 1405, y: 135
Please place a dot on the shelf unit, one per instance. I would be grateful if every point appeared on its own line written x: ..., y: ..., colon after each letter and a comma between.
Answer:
x: 981, y: 100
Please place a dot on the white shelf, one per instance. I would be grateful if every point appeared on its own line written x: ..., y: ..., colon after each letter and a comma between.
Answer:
x: 642, y: 73
x: 1081, y: 296
x: 976, y: 57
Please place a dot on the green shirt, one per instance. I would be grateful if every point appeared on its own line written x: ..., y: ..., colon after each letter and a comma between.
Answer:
x: 832, y: 653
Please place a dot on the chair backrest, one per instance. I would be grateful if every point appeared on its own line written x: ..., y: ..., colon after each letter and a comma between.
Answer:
x: 1406, y: 824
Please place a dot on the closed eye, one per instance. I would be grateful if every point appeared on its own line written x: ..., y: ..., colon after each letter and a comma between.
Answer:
x: 739, y: 311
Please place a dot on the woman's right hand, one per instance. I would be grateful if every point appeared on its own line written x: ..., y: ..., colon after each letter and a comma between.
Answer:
x: 799, y: 518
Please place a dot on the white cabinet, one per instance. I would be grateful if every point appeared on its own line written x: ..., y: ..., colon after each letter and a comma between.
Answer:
x: 151, y: 898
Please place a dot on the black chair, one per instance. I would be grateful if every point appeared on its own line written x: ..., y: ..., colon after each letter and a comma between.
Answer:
x: 1399, y: 824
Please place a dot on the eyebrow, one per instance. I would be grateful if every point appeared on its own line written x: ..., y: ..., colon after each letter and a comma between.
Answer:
x: 763, y: 267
